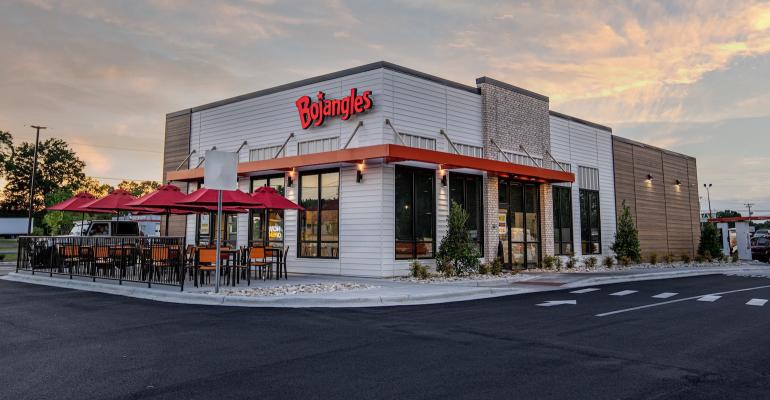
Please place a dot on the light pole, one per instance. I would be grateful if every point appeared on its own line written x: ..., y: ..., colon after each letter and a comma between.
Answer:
x: 708, y: 195
x: 32, y: 177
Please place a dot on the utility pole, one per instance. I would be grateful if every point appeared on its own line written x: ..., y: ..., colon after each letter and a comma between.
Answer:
x: 749, y: 205
x: 32, y: 177
x: 708, y: 194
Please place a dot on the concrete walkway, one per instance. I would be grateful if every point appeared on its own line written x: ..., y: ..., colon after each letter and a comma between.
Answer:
x: 383, y: 292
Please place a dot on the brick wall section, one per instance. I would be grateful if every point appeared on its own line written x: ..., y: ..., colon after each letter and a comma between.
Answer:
x: 546, y: 219
x: 511, y: 117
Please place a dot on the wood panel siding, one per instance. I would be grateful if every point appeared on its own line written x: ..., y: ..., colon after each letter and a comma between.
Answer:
x: 176, y: 147
x: 664, y: 212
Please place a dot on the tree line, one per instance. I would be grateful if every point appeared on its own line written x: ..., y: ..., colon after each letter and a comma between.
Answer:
x: 60, y: 174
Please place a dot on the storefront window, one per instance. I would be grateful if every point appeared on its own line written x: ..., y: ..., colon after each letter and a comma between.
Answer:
x: 415, y: 212
x: 207, y: 232
x: 319, y: 222
x: 266, y: 227
x: 465, y: 190
x: 590, y: 231
x: 562, y: 220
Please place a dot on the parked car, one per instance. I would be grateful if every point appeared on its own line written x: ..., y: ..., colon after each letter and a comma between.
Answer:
x: 760, y: 248
x: 113, y: 228
x: 762, y: 233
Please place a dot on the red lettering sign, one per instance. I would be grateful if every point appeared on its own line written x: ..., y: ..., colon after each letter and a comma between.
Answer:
x: 316, y: 113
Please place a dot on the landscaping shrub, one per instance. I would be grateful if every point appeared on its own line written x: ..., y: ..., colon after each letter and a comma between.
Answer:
x: 590, y: 262
x: 624, y: 261
x: 549, y: 262
x: 557, y: 262
x: 707, y: 256
x: 496, y: 266
x: 734, y: 257
x: 686, y: 258
x: 669, y: 258
x: 698, y: 258
x: 457, y: 253
x: 418, y: 270
x: 608, y: 261
x: 484, y: 268
x: 571, y: 262
x: 653, y: 258
x: 627, y: 237
x: 709, y: 242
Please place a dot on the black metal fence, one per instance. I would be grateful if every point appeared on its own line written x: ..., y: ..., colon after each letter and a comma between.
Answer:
x: 151, y: 260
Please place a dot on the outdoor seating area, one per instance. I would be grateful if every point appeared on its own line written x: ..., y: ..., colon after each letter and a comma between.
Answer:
x: 150, y: 260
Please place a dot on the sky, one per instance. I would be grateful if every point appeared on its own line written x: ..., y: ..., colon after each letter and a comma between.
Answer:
x: 690, y: 76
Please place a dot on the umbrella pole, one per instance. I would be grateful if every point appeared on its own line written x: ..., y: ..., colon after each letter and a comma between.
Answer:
x: 168, y: 212
x: 219, y: 238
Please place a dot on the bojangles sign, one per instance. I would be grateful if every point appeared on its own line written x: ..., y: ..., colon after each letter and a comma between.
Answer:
x: 316, y: 112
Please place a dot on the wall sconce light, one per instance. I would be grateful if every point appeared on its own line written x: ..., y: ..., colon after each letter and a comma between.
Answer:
x: 649, y: 178
x: 360, y: 172
x: 290, y: 178
x: 678, y: 182
x: 442, y: 173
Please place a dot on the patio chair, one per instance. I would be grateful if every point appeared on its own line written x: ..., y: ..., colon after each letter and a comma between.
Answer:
x: 102, y: 263
x: 258, y: 259
x: 162, y: 261
x: 205, y: 261
x: 70, y: 256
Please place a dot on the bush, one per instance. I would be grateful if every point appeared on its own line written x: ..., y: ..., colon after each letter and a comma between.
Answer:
x: 590, y: 262
x: 608, y: 261
x: 707, y: 256
x: 557, y: 262
x: 653, y: 258
x: 627, y: 237
x: 484, y: 268
x: 686, y: 258
x: 709, y: 241
x: 669, y: 258
x: 571, y: 262
x: 549, y: 262
x: 496, y: 266
x: 624, y: 261
x: 457, y: 253
x: 734, y: 257
x: 698, y: 258
x: 418, y: 270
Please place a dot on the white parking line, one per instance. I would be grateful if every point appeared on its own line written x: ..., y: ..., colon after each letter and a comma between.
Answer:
x: 710, y: 298
x: 665, y: 295
x: 662, y: 303
x: 623, y: 293
x: 756, y: 302
x: 586, y: 290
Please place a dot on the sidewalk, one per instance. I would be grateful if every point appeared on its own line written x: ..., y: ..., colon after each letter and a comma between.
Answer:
x: 382, y: 292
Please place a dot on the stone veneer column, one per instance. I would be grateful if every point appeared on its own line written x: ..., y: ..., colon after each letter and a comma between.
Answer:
x: 546, y: 219
x: 514, y: 116
x: 491, y: 205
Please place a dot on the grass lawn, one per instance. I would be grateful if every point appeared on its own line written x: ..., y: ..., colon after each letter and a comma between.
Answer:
x: 8, y: 247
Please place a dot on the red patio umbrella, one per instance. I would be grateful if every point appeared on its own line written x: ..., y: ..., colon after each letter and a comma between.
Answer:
x: 270, y: 198
x: 73, y: 204
x: 113, y: 202
x: 161, y: 201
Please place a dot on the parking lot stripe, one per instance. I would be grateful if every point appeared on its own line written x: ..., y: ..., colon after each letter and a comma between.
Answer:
x: 710, y: 298
x: 623, y: 292
x: 665, y: 295
x: 663, y: 303
x: 586, y: 290
x: 756, y: 302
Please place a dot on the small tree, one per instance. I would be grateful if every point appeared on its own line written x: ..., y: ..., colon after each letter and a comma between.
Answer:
x: 457, y: 253
x: 627, y: 237
x: 709, y: 241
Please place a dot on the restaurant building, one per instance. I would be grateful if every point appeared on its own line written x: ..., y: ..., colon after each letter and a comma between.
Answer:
x: 376, y: 154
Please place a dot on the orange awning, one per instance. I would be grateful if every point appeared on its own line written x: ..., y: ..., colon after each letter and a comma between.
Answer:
x: 389, y: 153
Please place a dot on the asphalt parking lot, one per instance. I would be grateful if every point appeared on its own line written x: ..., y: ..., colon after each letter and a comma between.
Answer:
x: 702, y: 337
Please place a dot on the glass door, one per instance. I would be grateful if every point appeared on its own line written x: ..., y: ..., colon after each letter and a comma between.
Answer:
x: 519, y: 224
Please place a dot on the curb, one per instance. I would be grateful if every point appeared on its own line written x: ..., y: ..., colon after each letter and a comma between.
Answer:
x: 302, y: 301
x: 606, y: 280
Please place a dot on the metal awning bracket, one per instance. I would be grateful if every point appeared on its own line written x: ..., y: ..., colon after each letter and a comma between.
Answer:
x: 360, y: 124
x: 396, y: 135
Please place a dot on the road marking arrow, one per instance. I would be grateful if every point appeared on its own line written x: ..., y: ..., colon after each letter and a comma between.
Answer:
x: 551, y: 303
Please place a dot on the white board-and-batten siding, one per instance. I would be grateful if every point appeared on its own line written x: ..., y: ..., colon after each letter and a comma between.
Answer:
x: 367, y: 210
x: 582, y: 145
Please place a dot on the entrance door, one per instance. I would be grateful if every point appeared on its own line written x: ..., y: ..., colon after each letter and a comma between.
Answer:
x: 519, y: 224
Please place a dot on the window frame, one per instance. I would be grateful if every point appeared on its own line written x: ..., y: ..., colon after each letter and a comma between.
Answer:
x: 586, y: 225
x: 479, y: 179
x: 413, y: 218
x: 263, y: 211
x: 558, y: 224
x: 300, y: 213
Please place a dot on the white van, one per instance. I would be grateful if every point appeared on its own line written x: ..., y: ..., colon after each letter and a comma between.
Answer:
x: 113, y: 228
